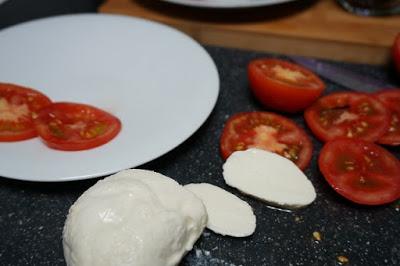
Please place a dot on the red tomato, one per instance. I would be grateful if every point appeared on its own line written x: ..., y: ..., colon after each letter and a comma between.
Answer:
x: 17, y: 106
x: 266, y: 131
x: 74, y: 126
x: 282, y: 85
x: 396, y: 52
x: 361, y: 171
x: 348, y: 114
x: 391, y: 99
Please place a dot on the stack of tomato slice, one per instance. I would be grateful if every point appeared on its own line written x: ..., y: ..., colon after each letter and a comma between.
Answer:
x: 349, y: 122
x: 353, y: 165
x: 26, y: 113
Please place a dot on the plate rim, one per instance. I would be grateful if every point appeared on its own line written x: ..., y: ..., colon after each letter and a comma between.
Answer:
x: 226, y: 4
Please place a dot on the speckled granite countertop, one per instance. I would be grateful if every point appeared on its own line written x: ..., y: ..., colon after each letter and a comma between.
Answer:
x: 32, y: 214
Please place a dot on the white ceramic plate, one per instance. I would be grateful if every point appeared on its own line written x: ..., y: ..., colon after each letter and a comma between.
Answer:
x: 227, y: 3
x: 157, y: 80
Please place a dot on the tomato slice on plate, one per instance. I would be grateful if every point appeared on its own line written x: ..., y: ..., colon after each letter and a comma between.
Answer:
x: 348, y: 114
x: 391, y: 99
x: 361, y: 171
x: 74, y: 126
x: 266, y: 131
x: 282, y: 85
x: 17, y: 106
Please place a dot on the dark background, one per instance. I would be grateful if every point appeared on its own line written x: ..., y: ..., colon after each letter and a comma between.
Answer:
x: 32, y: 215
x: 16, y: 11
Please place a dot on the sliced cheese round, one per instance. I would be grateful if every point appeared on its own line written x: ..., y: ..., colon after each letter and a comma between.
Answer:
x: 269, y: 177
x: 227, y: 214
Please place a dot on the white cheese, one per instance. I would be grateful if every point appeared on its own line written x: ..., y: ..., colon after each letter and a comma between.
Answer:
x: 269, y: 177
x: 227, y: 214
x: 135, y: 217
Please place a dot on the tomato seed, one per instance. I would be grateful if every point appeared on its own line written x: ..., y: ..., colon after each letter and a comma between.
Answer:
x: 349, y: 166
x: 349, y: 134
x: 366, y: 108
x: 367, y: 159
x: 359, y: 129
x: 342, y: 259
x: 240, y: 146
x: 317, y: 236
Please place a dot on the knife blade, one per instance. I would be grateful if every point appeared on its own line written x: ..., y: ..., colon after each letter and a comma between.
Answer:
x: 342, y: 76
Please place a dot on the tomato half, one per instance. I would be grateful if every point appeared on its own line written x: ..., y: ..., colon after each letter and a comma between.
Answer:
x: 396, y: 52
x: 361, y: 171
x: 391, y: 99
x: 348, y: 114
x: 283, y: 86
x: 17, y: 106
x: 74, y: 126
x: 266, y: 131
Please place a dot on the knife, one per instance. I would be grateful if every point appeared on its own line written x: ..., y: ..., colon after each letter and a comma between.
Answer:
x: 342, y: 76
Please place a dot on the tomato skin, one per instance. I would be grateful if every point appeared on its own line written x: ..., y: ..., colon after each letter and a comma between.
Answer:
x: 269, y: 131
x: 22, y: 103
x: 391, y: 99
x: 396, y: 52
x: 73, y: 126
x: 361, y: 171
x: 292, y: 95
x: 348, y: 114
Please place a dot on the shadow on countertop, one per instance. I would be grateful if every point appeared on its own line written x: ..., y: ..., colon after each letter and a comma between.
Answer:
x: 231, y: 15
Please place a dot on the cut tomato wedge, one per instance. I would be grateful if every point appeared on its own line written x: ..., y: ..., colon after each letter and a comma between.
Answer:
x: 266, y: 131
x: 74, y: 126
x: 361, y: 171
x: 391, y: 99
x: 283, y: 86
x: 348, y: 114
x: 17, y: 107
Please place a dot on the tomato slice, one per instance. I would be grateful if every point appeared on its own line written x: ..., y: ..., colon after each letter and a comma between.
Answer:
x: 74, y: 126
x: 361, y: 171
x: 391, y: 99
x: 282, y: 85
x: 17, y: 106
x: 348, y: 114
x: 266, y: 131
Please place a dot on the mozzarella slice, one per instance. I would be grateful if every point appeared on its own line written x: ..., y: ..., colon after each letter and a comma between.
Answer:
x: 269, y: 177
x: 227, y: 214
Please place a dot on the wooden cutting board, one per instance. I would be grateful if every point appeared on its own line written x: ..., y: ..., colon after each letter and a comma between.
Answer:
x: 319, y: 29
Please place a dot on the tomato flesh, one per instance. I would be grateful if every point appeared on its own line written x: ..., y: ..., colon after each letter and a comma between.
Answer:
x: 391, y: 99
x: 283, y: 86
x: 266, y: 131
x: 73, y: 126
x: 347, y: 114
x: 361, y: 171
x: 17, y: 107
